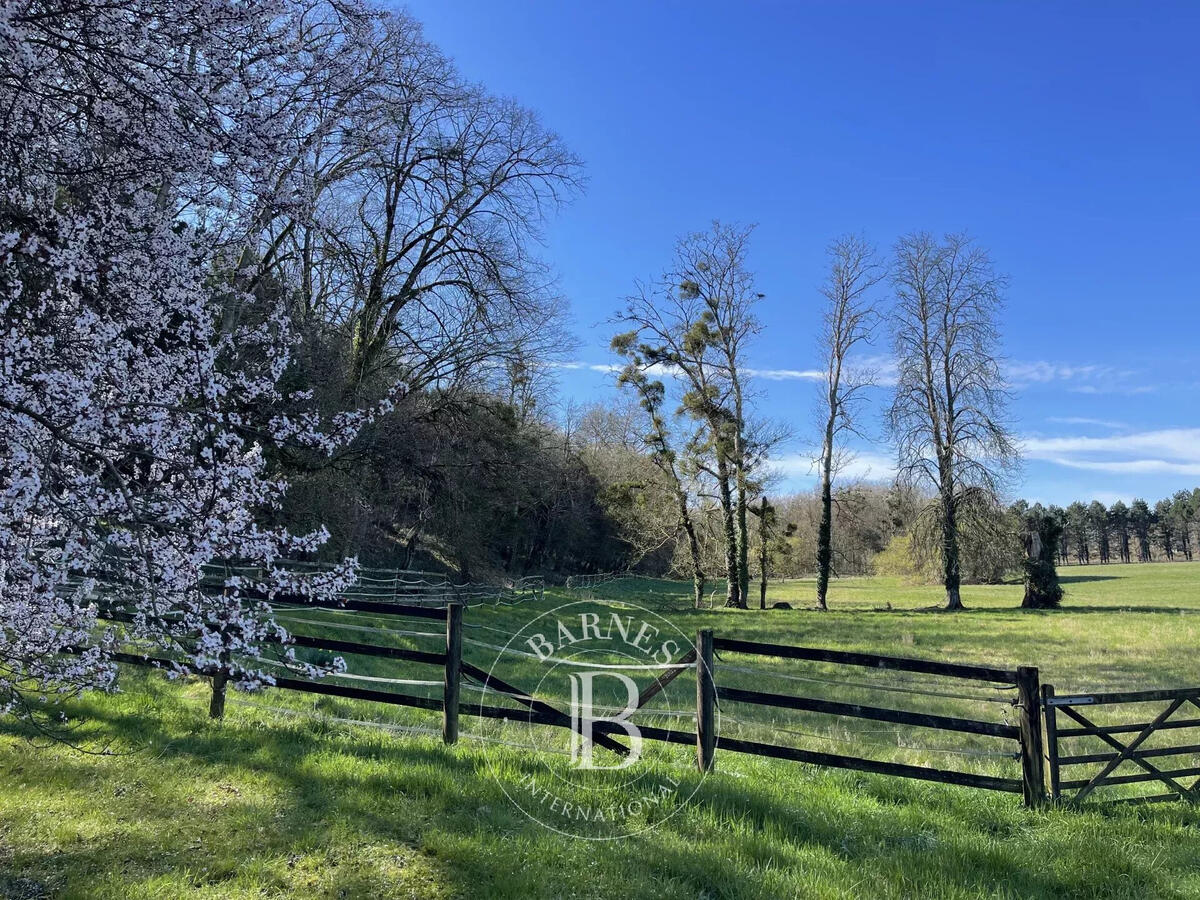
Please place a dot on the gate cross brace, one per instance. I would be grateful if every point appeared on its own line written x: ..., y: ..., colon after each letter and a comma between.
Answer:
x: 1125, y: 751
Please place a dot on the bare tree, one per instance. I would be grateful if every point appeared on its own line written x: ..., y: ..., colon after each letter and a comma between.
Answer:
x: 424, y: 197
x: 712, y: 267
x: 849, y: 319
x: 947, y: 415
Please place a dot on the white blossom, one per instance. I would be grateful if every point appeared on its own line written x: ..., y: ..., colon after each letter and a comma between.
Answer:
x: 145, y: 145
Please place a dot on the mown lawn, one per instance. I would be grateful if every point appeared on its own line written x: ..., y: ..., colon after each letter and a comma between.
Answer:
x: 267, y: 804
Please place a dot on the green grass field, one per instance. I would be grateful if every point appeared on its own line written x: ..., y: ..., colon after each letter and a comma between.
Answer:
x: 282, y: 800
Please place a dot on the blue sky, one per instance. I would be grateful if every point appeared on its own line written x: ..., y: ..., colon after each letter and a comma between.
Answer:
x: 1064, y: 137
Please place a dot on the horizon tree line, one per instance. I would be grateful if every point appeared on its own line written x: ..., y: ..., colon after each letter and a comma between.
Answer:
x: 1137, y: 532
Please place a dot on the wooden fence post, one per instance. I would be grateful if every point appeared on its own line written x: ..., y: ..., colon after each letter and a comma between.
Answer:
x: 216, y: 703
x: 454, y: 617
x: 220, y: 682
x: 1051, y: 720
x: 706, y: 696
x: 1029, y: 706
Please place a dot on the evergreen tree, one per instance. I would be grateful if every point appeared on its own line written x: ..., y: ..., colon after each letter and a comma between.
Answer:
x: 1118, y: 516
x: 1141, y: 522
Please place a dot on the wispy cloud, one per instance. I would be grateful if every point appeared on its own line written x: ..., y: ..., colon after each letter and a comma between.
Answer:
x: 1042, y: 372
x: 1127, y: 389
x: 610, y: 368
x: 882, y: 370
x: 1082, y: 420
x: 1168, y: 451
x: 576, y: 365
x: 1089, y: 378
x: 786, y: 374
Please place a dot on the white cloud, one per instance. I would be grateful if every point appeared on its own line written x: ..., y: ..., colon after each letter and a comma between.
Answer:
x: 609, y: 368
x: 1042, y: 372
x: 1129, y: 467
x: 786, y: 374
x: 1168, y: 451
x: 658, y: 369
x: 1127, y: 389
x: 1090, y: 378
x: 1082, y: 420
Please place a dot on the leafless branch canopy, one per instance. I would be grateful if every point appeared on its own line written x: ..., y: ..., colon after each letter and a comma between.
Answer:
x: 948, y: 413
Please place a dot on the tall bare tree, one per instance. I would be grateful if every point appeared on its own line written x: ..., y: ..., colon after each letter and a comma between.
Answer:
x: 947, y: 416
x: 849, y: 319
x: 423, y: 198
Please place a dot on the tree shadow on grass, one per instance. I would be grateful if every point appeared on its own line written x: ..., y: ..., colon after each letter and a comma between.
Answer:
x: 1066, y: 608
x: 1080, y: 579
x: 295, y: 807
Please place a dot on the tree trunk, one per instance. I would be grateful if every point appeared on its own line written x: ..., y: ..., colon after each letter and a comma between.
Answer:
x: 216, y: 704
x: 825, y: 528
x: 739, y: 461
x: 1042, y: 590
x: 743, y: 539
x: 762, y: 555
x: 733, y: 594
x: 952, y: 575
x: 693, y: 548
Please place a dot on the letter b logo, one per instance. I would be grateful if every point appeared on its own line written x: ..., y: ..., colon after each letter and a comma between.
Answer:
x: 583, y: 716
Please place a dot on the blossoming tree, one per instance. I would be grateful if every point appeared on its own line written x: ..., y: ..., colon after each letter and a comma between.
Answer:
x: 146, y: 147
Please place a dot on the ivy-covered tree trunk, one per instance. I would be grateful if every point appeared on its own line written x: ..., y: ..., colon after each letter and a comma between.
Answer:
x: 825, y: 527
x: 1040, y: 538
x: 951, y: 571
x: 733, y: 581
x: 743, y: 535
x: 764, y: 534
x: 693, y: 549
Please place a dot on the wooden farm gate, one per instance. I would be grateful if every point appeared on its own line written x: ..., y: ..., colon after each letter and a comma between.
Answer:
x: 1127, y: 740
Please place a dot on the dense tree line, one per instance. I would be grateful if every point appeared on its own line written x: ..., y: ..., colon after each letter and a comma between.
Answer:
x: 1138, y: 532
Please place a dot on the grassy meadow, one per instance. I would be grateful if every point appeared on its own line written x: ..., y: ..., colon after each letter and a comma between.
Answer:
x: 288, y: 798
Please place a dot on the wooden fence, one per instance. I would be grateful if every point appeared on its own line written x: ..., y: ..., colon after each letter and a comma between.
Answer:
x: 1127, y: 747
x: 1119, y: 750
x: 1022, y: 740
x: 407, y: 586
x: 1027, y: 733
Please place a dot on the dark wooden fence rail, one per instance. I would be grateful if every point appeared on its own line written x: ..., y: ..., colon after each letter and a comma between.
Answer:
x: 449, y: 659
x: 1026, y: 736
x: 1119, y: 752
